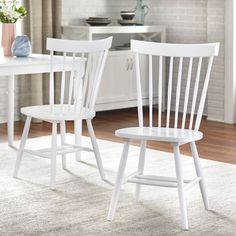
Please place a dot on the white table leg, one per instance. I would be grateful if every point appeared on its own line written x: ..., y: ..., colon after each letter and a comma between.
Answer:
x: 10, y: 119
x: 78, y: 137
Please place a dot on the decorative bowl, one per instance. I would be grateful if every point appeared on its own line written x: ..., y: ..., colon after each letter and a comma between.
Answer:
x: 98, y: 21
x: 127, y: 15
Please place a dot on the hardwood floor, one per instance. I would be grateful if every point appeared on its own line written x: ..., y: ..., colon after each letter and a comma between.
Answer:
x: 219, y: 142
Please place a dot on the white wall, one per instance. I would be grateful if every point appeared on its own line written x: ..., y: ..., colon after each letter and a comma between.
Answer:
x: 216, y: 32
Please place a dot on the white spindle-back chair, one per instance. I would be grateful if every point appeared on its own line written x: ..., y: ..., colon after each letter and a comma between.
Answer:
x: 180, y: 133
x: 84, y: 62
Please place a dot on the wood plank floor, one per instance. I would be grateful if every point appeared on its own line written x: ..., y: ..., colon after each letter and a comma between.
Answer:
x: 219, y: 141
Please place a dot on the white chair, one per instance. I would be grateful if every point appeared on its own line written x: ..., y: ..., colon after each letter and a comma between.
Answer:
x: 77, y: 100
x: 193, y: 54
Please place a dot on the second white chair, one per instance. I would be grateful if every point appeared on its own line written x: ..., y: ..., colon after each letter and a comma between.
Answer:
x: 87, y: 59
x: 181, y: 133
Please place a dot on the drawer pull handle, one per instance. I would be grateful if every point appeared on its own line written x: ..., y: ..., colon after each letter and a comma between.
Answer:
x: 127, y: 64
x: 131, y: 64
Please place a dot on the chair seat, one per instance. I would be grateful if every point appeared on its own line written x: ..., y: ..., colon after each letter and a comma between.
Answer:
x: 44, y: 112
x: 160, y: 134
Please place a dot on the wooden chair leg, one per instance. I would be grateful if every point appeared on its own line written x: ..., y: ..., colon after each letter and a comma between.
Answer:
x: 22, y: 145
x: 53, y: 156
x: 199, y: 172
x: 78, y: 136
x: 180, y: 182
x: 63, y: 141
x: 141, y: 166
x: 119, y: 180
x: 96, y: 149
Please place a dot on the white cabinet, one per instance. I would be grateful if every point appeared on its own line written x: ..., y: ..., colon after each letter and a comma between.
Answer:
x: 118, y: 86
x: 115, y: 85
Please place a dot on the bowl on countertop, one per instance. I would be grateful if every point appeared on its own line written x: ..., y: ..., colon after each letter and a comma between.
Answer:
x: 98, y: 21
x: 127, y: 15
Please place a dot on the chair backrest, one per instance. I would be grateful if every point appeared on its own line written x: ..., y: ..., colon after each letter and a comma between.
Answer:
x: 192, y: 54
x: 87, y: 60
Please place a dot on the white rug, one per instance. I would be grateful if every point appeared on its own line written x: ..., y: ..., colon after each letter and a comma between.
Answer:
x: 80, y: 203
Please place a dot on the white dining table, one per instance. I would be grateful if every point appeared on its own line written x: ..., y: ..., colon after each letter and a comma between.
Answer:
x: 10, y: 67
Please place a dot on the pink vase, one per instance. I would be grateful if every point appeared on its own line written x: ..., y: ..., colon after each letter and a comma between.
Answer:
x: 8, y: 36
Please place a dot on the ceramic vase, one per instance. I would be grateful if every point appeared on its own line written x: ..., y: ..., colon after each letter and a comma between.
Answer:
x: 8, y: 36
x: 21, y: 47
x: 140, y: 12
